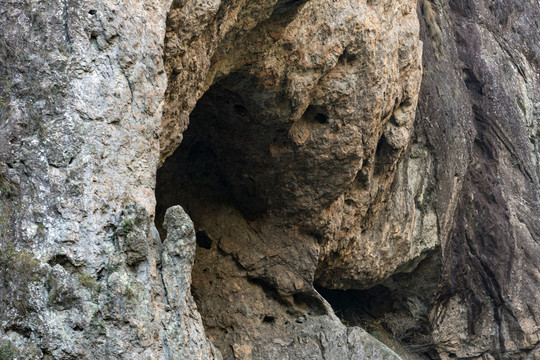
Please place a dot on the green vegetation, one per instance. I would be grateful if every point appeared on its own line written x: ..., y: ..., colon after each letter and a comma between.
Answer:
x: 91, y: 284
x: 51, y: 284
x: 127, y: 226
x: 7, y: 351
x: 128, y: 292
x: 433, y: 28
x: 88, y: 282
x: 6, y: 188
x: 7, y: 209
x: 377, y: 335
x: 522, y: 107
x: 16, y: 264
x: 18, y: 270
x: 344, y: 321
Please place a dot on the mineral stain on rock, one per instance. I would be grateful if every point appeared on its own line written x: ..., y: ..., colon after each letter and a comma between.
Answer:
x: 271, y: 179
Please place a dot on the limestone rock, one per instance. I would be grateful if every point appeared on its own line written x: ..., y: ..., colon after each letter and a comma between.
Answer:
x: 183, y: 333
x: 299, y: 135
x: 289, y: 131
x: 81, y: 92
x: 479, y: 111
x: 298, y: 113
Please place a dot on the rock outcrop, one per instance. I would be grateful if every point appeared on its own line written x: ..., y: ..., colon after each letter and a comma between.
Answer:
x: 83, y: 272
x: 307, y: 108
x: 479, y: 110
x: 320, y: 148
x: 292, y: 143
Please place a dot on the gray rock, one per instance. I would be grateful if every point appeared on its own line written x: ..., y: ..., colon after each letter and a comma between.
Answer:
x: 183, y: 334
x: 478, y: 110
x: 81, y: 90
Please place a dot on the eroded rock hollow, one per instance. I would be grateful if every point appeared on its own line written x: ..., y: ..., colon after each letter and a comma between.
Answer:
x: 293, y: 145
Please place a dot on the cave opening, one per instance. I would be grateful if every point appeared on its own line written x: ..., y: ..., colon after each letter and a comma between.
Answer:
x: 225, y: 165
x: 395, y: 312
x: 210, y: 170
x: 228, y: 175
x: 218, y: 161
x: 222, y: 174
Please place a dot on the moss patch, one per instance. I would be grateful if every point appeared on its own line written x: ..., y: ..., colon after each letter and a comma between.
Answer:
x: 7, y: 351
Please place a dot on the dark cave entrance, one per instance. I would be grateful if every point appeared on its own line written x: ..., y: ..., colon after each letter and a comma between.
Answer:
x: 381, y: 313
x: 216, y: 166
x: 224, y: 161
x: 221, y: 159
x: 224, y: 164
x: 395, y: 312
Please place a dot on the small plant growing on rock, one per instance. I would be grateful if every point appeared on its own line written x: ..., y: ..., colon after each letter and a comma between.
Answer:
x: 377, y: 335
x: 18, y: 270
x: 128, y: 292
x: 433, y: 28
x: 127, y: 226
x: 89, y: 282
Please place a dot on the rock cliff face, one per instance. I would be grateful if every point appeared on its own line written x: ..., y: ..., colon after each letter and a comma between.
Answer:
x: 84, y: 274
x: 481, y: 91
x: 373, y: 159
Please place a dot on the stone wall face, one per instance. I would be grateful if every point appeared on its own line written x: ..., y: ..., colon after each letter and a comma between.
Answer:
x: 479, y: 110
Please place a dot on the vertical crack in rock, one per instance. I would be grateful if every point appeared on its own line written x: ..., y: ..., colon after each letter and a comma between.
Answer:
x: 65, y: 19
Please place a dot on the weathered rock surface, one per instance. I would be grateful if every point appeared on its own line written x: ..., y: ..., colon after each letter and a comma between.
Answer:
x: 479, y: 110
x: 81, y: 263
x: 276, y: 194
x: 475, y: 144
x: 289, y: 132
x: 249, y: 320
x: 307, y: 109
x: 84, y: 273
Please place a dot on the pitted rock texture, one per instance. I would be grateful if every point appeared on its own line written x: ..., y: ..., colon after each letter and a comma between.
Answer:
x: 264, y: 179
x: 247, y: 319
x: 307, y: 109
x: 306, y: 162
x: 81, y: 92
